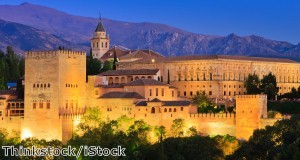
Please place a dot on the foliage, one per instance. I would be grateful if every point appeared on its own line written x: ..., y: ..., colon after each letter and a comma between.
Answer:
x: 228, y: 144
x: 108, y: 65
x: 252, y: 84
x: 93, y: 66
x: 160, y: 132
x: 12, y: 66
x: 191, y: 148
x: 115, y: 61
x: 177, y: 128
x: 168, y: 76
x: 201, y: 100
x: 285, y: 107
x: 192, y: 131
x: 291, y: 95
x: 273, y: 114
x: 280, y: 141
x: 269, y: 85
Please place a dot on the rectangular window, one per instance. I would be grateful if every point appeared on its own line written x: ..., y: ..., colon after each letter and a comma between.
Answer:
x: 178, y: 93
x: 48, y: 105
x: 224, y: 93
x: 156, y: 92
x: 184, y: 93
x: 204, y: 77
x: 0, y: 113
x: 66, y: 103
x: 181, y: 108
x: 150, y: 92
x: 162, y: 92
x: 172, y: 93
x: 34, y: 105
x: 191, y: 93
x: 210, y: 93
x: 41, y: 104
x: 210, y: 76
x: 229, y: 93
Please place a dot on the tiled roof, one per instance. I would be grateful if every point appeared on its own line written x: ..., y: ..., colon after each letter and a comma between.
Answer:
x: 145, y: 82
x: 100, y: 27
x: 155, y: 100
x: 130, y: 72
x: 8, y: 92
x: 167, y: 103
x: 112, y: 86
x: 122, y: 95
x: 212, y: 57
x: 16, y: 100
x: 110, y: 53
x: 137, y: 55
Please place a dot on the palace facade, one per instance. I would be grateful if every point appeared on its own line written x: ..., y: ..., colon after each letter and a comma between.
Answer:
x: 57, y: 94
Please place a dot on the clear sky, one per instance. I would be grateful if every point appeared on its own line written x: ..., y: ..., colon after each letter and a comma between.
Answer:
x: 273, y: 19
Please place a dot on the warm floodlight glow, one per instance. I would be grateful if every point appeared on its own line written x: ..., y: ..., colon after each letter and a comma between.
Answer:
x: 153, y: 60
x: 26, y: 134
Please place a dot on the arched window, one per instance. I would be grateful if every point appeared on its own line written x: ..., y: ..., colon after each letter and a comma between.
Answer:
x: 174, y: 110
x: 170, y: 109
x: 152, y: 110
x: 165, y: 110
x: 105, y: 44
x: 33, y: 85
x: 48, y: 84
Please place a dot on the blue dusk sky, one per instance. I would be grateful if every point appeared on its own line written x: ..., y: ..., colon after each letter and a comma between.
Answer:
x: 272, y: 19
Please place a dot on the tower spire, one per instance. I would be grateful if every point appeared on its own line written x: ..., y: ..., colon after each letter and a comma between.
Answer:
x: 100, y: 17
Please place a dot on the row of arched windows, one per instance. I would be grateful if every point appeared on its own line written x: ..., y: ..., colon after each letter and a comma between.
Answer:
x: 40, y: 85
x: 71, y: 85
x: 102, y: 45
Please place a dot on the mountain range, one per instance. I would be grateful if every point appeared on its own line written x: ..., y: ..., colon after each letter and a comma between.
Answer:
x: 33, y: 27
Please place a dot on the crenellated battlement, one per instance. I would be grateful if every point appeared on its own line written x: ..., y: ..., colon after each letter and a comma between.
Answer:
x: 251, y: 96
x: 51, y: 54
x: 212, y: 115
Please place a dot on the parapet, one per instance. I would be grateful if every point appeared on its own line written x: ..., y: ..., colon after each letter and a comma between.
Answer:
x: 213, y: 115
x: 252, y: 96
x: 50, y: 54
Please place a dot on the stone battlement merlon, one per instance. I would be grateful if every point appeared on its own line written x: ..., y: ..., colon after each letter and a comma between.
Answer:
x: 251, y: 96
x: 43, y: 54
x: 212, y: 115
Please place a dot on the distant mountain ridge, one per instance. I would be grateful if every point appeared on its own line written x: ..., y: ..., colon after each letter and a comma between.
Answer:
x: 75, y: 32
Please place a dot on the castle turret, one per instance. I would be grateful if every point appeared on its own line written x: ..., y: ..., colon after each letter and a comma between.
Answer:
x: 100, y: 41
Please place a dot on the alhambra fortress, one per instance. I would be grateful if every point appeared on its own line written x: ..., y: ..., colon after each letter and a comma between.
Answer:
x: 146, y: 85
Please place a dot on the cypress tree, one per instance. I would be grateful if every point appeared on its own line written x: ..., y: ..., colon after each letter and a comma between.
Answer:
x: 115, y: 60
x: 168, y: 76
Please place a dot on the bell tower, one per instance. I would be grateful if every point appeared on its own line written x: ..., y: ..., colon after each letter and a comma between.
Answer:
x: 100, y: 41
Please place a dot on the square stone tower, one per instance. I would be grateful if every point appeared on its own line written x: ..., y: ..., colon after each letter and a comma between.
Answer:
x: 250, y: 109
x: 54, y: 89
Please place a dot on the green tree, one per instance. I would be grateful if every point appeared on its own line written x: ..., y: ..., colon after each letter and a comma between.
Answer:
x: 177, y: 127
x: 279, y: 142
x: 269, y: 86
x: 252, y: 84
x: 115, y: 60
x: 168, y: 76
x: 108, y: 65
x: 192, y: 131
x: 13, y: 64
x: 201, y: 100
x: 93, y: 66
